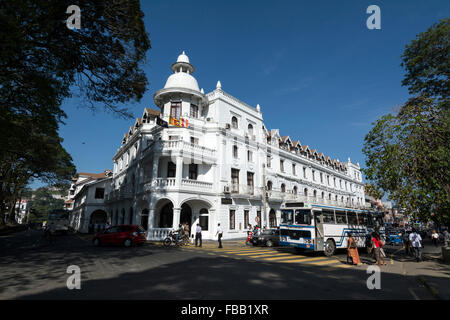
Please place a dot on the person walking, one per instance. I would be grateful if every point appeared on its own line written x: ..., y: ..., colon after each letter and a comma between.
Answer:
x: 219, y: 233
x: 416, y: 242
x: 352, y: 249
x: 376, y: 248
x: 435, y: 238
x: 198, y: 235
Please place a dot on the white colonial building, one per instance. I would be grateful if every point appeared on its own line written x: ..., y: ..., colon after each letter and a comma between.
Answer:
x: 224, y: 166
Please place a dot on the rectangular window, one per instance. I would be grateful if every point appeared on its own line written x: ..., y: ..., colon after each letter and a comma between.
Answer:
x: 194, y: 140
x: 99, y: 193
x: 304, y: 172
x: 246, y: 218
x: 250, y: 156
x: 193, y: 171
x: 194, y: 111
x: 282, y: 165
x: 232, y: 219
x: 175, y: 110
x: 235, y: 152
x: 352, y: 219
x: 171, y: 170
x: 293, y: 169
x: 250, y: 182
x: 340, y: 217
x: 269, y: 162
x: 235, y: 180
x: 328, y: 216
x: 314, y: 175
x: 321, y: 177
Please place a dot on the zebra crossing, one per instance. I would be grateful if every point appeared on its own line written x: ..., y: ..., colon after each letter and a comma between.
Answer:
x: 271, y: 255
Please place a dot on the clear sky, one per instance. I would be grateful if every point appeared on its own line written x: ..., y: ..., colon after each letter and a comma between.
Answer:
x: 318, y: 73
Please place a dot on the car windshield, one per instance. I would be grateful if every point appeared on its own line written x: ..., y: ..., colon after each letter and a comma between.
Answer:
x: 287, y: 216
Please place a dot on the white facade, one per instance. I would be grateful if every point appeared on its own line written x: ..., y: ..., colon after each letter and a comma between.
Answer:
x: 219, y: 168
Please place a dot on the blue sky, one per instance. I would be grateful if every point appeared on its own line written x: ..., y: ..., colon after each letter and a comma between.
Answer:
x: 318, y: 73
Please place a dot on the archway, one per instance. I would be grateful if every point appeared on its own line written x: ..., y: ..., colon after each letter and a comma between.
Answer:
x: 166, y: 216
x: 99, y: 218
x: 186, y: 214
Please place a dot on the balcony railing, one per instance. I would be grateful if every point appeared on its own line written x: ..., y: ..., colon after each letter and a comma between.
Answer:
x: 187, y: 147
x: 158, y: 234
x: 171, y: 184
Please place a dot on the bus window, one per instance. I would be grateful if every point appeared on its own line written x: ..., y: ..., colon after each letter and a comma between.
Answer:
x: 341, y: 217
x: 351, y: 217
x: 328, y: 216
x: 287, y: 216
x: 302, y: 217
x: 362, y: 217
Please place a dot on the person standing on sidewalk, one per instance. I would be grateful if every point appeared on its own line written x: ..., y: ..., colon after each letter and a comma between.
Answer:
x: 219, y: 233
x: 435, y: 238
x: 416, y: 241
x: 198, y: 235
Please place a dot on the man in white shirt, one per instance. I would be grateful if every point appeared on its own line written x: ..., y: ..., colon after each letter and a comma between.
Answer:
x: 416, y: 242
x: 198, y: 235
x: 219, y: 233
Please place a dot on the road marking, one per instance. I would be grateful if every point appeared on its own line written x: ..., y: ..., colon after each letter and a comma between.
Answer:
x: 320, y: 263
x: 413, y: 294
x: 289, y: 258
x: 255, y: 253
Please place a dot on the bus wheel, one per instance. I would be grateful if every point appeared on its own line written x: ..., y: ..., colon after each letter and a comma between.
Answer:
x: 329, y: 248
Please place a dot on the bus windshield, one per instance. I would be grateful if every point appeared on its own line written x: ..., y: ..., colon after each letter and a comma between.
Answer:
x: 287, y: 216
x: 302, y: 216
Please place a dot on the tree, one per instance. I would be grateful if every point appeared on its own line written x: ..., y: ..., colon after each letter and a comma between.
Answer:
x: 408, y: 153
x: 42, y: 62
x: 43, y: 202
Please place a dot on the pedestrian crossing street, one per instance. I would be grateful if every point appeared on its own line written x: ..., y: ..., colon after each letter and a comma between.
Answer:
x: 271, y: 255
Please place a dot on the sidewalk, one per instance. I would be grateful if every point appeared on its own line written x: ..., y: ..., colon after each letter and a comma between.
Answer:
x: 432, y: 272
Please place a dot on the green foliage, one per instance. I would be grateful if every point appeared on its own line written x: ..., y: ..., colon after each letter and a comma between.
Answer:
x: 408, y: 154
x: 43, y: 202
x: 42, y: 62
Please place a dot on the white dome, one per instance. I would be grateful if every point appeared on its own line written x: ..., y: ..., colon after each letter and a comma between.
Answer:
x: 182, y: 80
x: 183, y: 58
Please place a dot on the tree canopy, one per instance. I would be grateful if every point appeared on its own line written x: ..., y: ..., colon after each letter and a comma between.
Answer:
x: 42, y: 62
x: 408, y: 154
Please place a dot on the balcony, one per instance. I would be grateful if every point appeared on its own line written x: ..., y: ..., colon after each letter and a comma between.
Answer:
x: 183, y: 148
x: 170, y: 184
x: 124, y: 192
x: 245, y: 191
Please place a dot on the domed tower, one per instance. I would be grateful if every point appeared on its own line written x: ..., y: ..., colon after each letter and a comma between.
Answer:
x: 181, y: 96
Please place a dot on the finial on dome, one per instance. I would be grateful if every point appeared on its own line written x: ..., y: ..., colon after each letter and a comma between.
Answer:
x: 202, y: 91
x: 218, y: 85
x: 258, y: 107
x: 184, y: 53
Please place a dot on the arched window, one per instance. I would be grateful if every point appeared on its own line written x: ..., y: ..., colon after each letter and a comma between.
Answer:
x: 329, y: 196
x: 294, y: 190
x: 234, y: 122
x: 204, y: 219
x: 283, y: 187
x: 323, y: 195
x: 305, y: 192
x: 272, y: 219
x: 269, y: 185
x: 250, y: 129
x: 315, y: 194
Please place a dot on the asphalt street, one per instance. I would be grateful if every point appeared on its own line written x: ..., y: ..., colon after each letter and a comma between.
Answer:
x: 32, y: 268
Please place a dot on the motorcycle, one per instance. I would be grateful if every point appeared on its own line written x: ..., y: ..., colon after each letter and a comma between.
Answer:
x: 173, y: 239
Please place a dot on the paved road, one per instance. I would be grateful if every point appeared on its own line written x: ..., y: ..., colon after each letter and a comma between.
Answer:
x: 31, y: 268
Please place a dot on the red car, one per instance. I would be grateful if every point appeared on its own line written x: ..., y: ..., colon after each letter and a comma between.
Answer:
x: 126, y: 235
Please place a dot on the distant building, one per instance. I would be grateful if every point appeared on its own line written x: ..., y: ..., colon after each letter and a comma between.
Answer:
x: 85, y: 199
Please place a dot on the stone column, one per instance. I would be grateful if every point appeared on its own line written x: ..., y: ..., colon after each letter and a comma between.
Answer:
x: 176, y: 216
x: 151, y: 219
x: 179, y: 171
x: 155, y: 164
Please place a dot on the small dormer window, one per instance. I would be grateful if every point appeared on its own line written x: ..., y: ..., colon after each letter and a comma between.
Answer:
x: 194, y: 111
